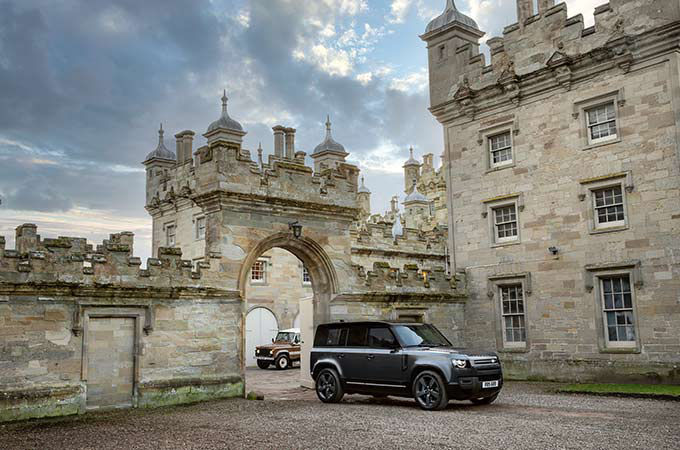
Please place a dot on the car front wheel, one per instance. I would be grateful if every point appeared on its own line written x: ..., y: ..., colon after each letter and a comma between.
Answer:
x: 429, y: 391
x: 484, y: 400
x: 262, y: 364
x: 282, y: 362
x: 328, y: 387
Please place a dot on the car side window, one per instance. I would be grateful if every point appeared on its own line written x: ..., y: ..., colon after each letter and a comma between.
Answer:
x: 381, y: 338
x: 357, y: 336
x: 336, y: 337
x: 330, y: 337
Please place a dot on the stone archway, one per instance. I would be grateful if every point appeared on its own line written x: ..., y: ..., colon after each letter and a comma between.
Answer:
x: 319, y: 265
x: 324, y: 284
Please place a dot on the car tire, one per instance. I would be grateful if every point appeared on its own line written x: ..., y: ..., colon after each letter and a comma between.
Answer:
x: 282, y: 362
x: 263, y: 364
x: 328, y: 386
x: 429, y: 391
x: 484, y: 400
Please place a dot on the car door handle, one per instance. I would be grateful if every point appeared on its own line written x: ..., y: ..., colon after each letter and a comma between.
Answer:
x: 370, y: 357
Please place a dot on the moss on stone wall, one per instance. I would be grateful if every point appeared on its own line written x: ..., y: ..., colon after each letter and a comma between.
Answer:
x: 154, y: 397
x: 41, y: 402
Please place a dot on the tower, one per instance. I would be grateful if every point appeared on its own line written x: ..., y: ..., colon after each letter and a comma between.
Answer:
x: 446, y: 37
x: 329, y: 153
x: 364, y: 200
x: 225, y: 128
x: 411, y: 172
x: 157, y: 163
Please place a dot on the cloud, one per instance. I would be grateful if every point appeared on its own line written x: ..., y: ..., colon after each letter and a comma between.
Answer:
x: 83, y: 90
x: 398, y: 10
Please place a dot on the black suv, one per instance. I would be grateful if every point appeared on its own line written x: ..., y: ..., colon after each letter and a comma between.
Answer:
x: 400, y: 359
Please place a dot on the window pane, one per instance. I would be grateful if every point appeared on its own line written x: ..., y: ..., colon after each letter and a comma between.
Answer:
x: 618, y: 305
x: 380, y: 338
x: 357, y: 336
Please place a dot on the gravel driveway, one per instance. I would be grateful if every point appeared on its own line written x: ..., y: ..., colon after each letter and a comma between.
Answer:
x: 525, y: 416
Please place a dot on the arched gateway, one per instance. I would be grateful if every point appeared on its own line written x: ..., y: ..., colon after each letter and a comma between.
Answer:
x: 225, y: 210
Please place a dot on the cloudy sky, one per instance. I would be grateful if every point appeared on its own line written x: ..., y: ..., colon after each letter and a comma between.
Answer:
x: 84, y: 85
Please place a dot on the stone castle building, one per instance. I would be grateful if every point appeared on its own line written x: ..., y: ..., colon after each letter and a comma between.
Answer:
x: 551, y: 233
x: 563, y: 176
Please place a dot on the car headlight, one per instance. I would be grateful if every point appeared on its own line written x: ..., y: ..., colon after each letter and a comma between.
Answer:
x: 459, y: 363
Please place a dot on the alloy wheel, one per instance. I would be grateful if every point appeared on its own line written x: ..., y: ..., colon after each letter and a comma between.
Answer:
x: 428, y: 391
x: 326, y: 386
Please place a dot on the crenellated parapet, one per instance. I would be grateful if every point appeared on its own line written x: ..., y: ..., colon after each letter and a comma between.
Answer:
x: 68, y: 261
x: 546, y: 49
x: 384, y: 280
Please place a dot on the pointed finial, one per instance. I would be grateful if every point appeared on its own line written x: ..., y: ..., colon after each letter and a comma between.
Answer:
x: 160, y: 134
x: 411, y: 151
x: 362, y: 180
x: 328, y: 126
x: 259, y: 147
x: 224, y: 101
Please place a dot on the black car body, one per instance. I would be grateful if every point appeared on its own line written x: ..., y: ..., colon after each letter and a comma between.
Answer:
x: 383, y: 358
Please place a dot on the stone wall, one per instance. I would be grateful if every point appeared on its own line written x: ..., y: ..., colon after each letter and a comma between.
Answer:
x: 544, y: 72
x: 283, y: 287
x: 187, y: 338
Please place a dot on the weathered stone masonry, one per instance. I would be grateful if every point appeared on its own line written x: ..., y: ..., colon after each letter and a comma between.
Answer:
x: 186, y: 339
x: 546, y: 72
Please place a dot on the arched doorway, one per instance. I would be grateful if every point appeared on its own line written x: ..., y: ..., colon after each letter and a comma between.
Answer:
x: 314, y: 310
x: 261, y: 327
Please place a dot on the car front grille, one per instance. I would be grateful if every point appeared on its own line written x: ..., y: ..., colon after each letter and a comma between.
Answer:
x: 485, y: 362
x: 263, y: 352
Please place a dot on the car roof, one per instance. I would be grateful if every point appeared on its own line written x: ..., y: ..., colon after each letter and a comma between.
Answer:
x: 290, y: 330
x: 368, y: 322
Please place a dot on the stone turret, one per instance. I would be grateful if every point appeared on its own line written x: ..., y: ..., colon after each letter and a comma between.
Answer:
x: 416, y: 207
x: 157, y: 164
x: 225, y: 129
x: 329, y: 153
x: 364, y: 200
x: 411, y: 172
x: 452, y: 40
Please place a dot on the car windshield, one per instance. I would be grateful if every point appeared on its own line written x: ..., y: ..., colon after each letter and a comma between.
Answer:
x: 420, y: 336
x: 285, y: 337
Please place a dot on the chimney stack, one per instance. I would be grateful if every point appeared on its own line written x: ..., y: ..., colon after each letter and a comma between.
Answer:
x: 290, y: 143
x: 428, y: 162
x: 278, y: 140
x: 185, y: 151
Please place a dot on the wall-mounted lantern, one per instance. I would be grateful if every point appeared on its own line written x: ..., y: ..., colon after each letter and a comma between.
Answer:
x: 297, y: 229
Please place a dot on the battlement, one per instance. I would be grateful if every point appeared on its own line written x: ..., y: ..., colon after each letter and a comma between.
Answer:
x: 384, y: 280
x: 72, y: 261
x: 378, y: 236
x: 546, y: 43
x: 226, y: 167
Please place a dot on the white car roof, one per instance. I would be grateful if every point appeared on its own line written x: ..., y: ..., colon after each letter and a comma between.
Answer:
x: 290, y: 330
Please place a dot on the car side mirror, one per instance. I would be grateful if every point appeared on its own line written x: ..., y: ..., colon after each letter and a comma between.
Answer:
x: 272, y: 340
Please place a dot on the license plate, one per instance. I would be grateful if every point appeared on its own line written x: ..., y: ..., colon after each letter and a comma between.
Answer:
x: 490, y: 384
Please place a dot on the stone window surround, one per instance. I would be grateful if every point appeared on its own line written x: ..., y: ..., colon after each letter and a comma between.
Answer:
x: 265, y: 279
x: 592, y: 275
x: 166, y: 227
x: 579, y: 108
x: 589, y: 185
x: 490, y: 204
x: 494, y: 282
x: 483, y: 136
x: 302, y: 276
x: 195, y: 220
x: 143, y: 316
